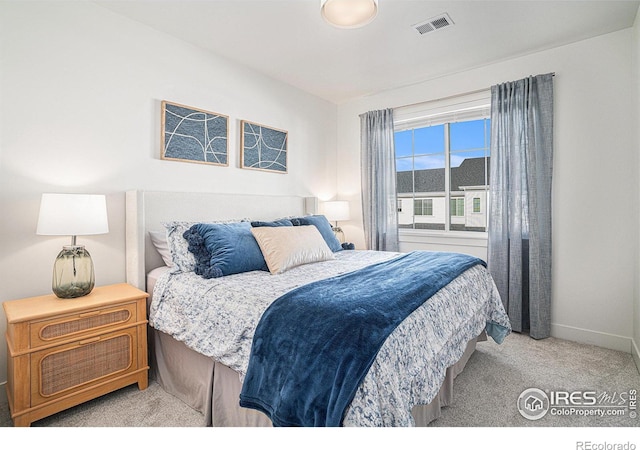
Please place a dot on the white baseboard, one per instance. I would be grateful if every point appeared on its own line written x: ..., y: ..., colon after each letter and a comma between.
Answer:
x: 605, y: 340
x: 635, y: 351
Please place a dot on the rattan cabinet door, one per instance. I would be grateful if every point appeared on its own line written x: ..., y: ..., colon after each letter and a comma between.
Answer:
x: 66, y: 369
x: 76, y: 326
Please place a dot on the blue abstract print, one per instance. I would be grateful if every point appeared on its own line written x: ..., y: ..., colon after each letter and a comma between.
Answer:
x: 264, y: 148
x: 194, y: 135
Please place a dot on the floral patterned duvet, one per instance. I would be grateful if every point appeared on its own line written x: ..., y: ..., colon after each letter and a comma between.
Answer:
x: 217, y: 317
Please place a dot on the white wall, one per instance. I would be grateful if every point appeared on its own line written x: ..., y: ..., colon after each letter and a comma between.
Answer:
x: 595, y: 167
x: 80, y: 112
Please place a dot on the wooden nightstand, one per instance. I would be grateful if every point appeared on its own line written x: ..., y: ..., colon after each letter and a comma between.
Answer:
x: 63, y: 352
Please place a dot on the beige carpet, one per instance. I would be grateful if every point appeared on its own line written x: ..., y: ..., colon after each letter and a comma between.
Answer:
x: 127, y: 407
x: 485, y: 394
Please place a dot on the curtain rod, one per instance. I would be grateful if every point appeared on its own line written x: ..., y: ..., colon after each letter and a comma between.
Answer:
x: 477, y: 91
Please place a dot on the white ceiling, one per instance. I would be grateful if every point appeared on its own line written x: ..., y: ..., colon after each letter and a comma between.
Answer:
x: 288, y: 40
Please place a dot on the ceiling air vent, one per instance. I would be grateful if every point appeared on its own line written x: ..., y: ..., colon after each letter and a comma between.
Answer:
x: 433, y: 24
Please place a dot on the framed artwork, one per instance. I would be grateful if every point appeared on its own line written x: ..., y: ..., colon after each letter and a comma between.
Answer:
x: 262, y: 148
x: 194, y: 135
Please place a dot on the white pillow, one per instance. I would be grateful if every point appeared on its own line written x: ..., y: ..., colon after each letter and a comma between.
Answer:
x: 286, y: 247
x: 182, y: 258
x: 159, y: 241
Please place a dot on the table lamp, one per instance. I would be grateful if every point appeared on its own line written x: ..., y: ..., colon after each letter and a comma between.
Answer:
x: 72, y: 215
x: 335, y: 211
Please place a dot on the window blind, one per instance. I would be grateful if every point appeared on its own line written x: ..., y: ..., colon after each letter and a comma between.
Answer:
x: 453, y: 109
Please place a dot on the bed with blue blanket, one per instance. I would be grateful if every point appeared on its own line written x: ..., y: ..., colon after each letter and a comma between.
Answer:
x: 273, y: 323
x: 315, y: 344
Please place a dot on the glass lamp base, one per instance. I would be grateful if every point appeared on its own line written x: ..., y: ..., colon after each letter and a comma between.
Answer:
x: 73, y: 272
x: 339, y: 234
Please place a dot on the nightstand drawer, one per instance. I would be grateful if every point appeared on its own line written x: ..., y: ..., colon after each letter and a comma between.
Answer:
x: 82, y: 364
x: 76, y: 326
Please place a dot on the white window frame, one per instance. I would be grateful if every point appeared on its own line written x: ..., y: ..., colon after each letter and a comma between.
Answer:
x: 459, y: 108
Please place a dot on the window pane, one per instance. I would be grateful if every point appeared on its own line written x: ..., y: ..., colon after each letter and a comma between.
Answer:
x: 461, y: 155
x: 405, y: 212
x: 402, y: 143
x: 487, y: 133
x: 457, y: 207
x: 404, y: 164
x: 469, y: 162
x: 470, y: 173
x: 428, y: 177
x: 428, y: 140
x: 435, y: 161
x: 467, y: 135
x: 427, y: 216
x: 417, y: 207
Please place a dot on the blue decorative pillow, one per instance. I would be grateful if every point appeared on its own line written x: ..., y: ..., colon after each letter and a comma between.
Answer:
x: 275, y: 223
x: 323, y: 226
x: 182, y: 258
x: 197, y: 250
x: 222, y: 249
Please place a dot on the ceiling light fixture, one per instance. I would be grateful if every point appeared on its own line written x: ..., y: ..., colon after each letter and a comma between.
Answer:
x: 349, y: 13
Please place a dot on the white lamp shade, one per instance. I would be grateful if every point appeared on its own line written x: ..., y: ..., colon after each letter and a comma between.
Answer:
x: 72, y: 215
x: 336, y: 210
x: 349, y: 13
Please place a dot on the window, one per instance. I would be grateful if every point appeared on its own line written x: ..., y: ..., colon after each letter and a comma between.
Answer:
x: 442, y: 165
x: 476, y: 205
x: 457, y: 207
x: 423, y: 207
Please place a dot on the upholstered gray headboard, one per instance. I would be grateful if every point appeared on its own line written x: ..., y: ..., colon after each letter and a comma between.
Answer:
x: 146, y: 210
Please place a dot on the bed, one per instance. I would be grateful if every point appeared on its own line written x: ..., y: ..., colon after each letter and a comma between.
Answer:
x: 201, y: 338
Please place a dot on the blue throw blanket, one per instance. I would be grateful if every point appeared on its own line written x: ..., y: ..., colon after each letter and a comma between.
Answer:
x: 314, y: 345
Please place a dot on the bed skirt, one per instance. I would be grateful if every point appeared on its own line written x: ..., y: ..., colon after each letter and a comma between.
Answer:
x: 213, y: 388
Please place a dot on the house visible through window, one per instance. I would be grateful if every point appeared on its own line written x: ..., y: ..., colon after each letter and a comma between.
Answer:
x: 442, y: 165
